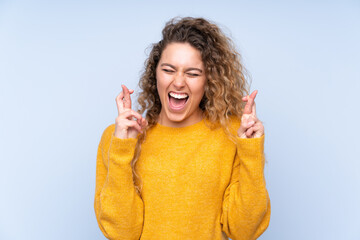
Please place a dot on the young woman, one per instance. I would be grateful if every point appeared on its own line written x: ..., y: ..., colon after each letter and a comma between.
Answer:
x: 193, y: 168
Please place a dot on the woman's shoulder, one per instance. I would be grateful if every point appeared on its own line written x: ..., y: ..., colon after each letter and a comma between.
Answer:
x: 231, y: 125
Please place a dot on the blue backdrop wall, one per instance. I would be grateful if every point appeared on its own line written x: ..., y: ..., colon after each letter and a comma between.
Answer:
x: 62, y: 64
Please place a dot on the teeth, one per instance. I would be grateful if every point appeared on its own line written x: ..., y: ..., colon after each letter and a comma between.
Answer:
x: 178, y: 95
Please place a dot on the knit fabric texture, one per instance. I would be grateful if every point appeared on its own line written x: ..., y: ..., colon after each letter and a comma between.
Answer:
x: 196, y: 184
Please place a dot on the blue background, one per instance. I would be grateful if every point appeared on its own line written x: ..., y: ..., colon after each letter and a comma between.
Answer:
x: 62, y: 64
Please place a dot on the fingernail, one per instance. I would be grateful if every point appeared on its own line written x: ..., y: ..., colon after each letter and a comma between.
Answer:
x: 250, y: 123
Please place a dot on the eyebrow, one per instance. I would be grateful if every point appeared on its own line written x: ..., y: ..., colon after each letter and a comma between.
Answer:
x: 188, y: 69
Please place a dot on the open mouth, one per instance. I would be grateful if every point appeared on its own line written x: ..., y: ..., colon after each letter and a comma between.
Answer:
x: 177, y: 100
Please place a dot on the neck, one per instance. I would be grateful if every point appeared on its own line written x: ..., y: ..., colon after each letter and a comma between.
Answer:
x: 195, y: 117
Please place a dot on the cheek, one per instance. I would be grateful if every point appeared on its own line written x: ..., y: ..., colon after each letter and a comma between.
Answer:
x: 198, y: 91
x: 201, y: 88
x: 161, y: 79
x: 160, y: 83
x: 161, y: 88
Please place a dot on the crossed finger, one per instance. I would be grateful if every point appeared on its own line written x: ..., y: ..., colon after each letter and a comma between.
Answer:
x: 127, y: 98
x: 123, y: 100
x: 250, y: 106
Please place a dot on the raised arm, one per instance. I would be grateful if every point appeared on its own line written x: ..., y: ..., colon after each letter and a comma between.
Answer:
x: 118, y: 207
x: 246, y: 204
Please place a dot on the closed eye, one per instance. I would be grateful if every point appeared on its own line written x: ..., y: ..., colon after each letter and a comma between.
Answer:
x: 168, y: 70
x: 193, y: 74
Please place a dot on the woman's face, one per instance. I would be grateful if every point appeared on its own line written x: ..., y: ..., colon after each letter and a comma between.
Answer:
x: 180, y: 76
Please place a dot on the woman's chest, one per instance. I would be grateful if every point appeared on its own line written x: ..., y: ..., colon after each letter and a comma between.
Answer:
x: 190, y: 167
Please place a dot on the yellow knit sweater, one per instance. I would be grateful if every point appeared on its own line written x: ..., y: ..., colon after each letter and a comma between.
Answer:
x: 197, y: 184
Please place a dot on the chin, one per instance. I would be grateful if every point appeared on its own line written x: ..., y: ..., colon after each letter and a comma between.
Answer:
x: 176, y: 117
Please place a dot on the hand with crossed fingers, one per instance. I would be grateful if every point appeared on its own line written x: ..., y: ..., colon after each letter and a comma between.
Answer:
x: 250, y: 126
x: 128, y: 123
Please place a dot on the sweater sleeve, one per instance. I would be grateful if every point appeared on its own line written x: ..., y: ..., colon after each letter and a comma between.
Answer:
x: 118, y: 207
x: 246, y: 204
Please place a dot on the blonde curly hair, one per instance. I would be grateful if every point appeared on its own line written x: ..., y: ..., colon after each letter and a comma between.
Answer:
x: 225, y: 87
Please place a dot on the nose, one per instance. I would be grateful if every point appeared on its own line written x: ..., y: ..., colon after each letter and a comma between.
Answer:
x: 179, y: 80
